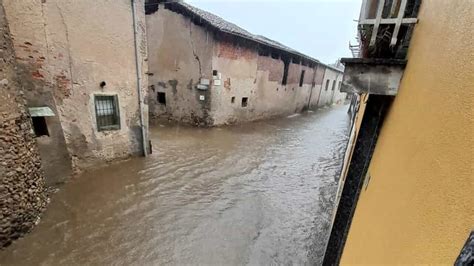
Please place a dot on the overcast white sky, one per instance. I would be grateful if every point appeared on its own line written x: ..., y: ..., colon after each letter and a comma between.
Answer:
x: 319, y: 28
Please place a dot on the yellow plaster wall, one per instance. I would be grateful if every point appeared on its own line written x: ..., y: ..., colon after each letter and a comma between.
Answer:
x: 419, y: 203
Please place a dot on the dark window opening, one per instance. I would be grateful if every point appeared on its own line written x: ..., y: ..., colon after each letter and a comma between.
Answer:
x: 214, y: 72
x: 39, y: 126
x: 275, y: 55
x: 285, y: 72
x: 107, y: 112
x: 161, y: 98
x: 232, y: 100
x: 327, y: 84
x: 333, y: 85
x: 245, y: 101
x: 339, y: 85
x: 302, y: 78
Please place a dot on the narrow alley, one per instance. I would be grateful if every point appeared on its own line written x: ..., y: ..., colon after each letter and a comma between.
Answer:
x: 259, y: 193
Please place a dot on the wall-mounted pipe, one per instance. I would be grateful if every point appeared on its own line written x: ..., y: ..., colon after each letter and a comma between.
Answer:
x: 139, y: 81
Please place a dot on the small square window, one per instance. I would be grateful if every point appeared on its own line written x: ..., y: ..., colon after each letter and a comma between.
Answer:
x: 107, y: 112
x: 214, y: 72
x: 161, y: 97
x: 245, y: 101
x: 232, y: 100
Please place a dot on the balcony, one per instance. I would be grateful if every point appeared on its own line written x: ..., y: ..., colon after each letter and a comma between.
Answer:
x: 385, y: 29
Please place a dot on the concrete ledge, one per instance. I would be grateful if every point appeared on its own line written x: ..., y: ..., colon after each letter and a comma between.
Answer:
x: 372, y: 75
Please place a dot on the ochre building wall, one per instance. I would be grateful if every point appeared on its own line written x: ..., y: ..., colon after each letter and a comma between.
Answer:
x: 417, y: 207
x: 68, y: 48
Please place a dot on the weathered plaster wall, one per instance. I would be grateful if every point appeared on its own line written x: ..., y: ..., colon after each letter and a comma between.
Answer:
x: 330, y: 95
x: 317, y: 86
x: 32, y: 56
x: 22, y: 189
x: 245, y: 73
x: 68, y: 48
x: 180, y: 55
x: 417, y: 208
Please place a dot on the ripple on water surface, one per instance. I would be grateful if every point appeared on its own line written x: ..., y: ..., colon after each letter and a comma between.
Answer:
x: 258, y: 193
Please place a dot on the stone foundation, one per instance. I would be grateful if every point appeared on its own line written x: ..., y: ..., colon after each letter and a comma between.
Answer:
x: 22, y: 189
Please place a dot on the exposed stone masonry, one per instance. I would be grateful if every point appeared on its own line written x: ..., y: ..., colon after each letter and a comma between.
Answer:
x: 22, y: 189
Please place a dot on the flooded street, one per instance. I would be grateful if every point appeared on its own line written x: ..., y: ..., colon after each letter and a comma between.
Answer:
x: 259, y: 193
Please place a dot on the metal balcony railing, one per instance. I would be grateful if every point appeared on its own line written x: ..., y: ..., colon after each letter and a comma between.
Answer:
x: 386, y: 12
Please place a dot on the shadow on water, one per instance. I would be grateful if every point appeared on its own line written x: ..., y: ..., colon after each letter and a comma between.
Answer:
x: 258, y: 193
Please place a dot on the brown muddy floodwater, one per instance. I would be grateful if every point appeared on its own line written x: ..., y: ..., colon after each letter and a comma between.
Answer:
x: 259, y: 193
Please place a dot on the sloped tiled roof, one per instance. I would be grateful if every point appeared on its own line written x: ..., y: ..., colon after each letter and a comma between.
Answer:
x: 230, y: 28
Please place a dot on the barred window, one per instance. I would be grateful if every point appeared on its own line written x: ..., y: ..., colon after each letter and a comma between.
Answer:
x: 107, y: 112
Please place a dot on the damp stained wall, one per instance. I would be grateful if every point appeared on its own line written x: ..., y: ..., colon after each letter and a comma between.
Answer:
x: 245, y: 73
x: 68, y: 48
x: 22, y: 188
x: 185, y: 56
x: 315, y: 94
x: 417, y: 207
x: 180, y: 55
x: 331, y: 93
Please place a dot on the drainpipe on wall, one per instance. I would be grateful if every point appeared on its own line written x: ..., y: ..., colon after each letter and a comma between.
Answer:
x: 139, y: 81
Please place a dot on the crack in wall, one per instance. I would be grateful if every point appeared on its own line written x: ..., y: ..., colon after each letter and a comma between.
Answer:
x: 192, y: 46
x: 45, y: 36
x: 67, y: 45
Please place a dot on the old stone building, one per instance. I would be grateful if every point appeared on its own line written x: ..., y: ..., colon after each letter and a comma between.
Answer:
x: 204, y: 70
x: 22, y: 189
x: 83, y: 62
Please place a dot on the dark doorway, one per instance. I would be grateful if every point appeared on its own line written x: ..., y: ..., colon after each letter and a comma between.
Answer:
x: 39, y: 126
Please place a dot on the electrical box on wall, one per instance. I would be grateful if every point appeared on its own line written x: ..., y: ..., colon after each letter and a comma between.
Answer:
x: 202, y: 87
x: 203, y: 84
